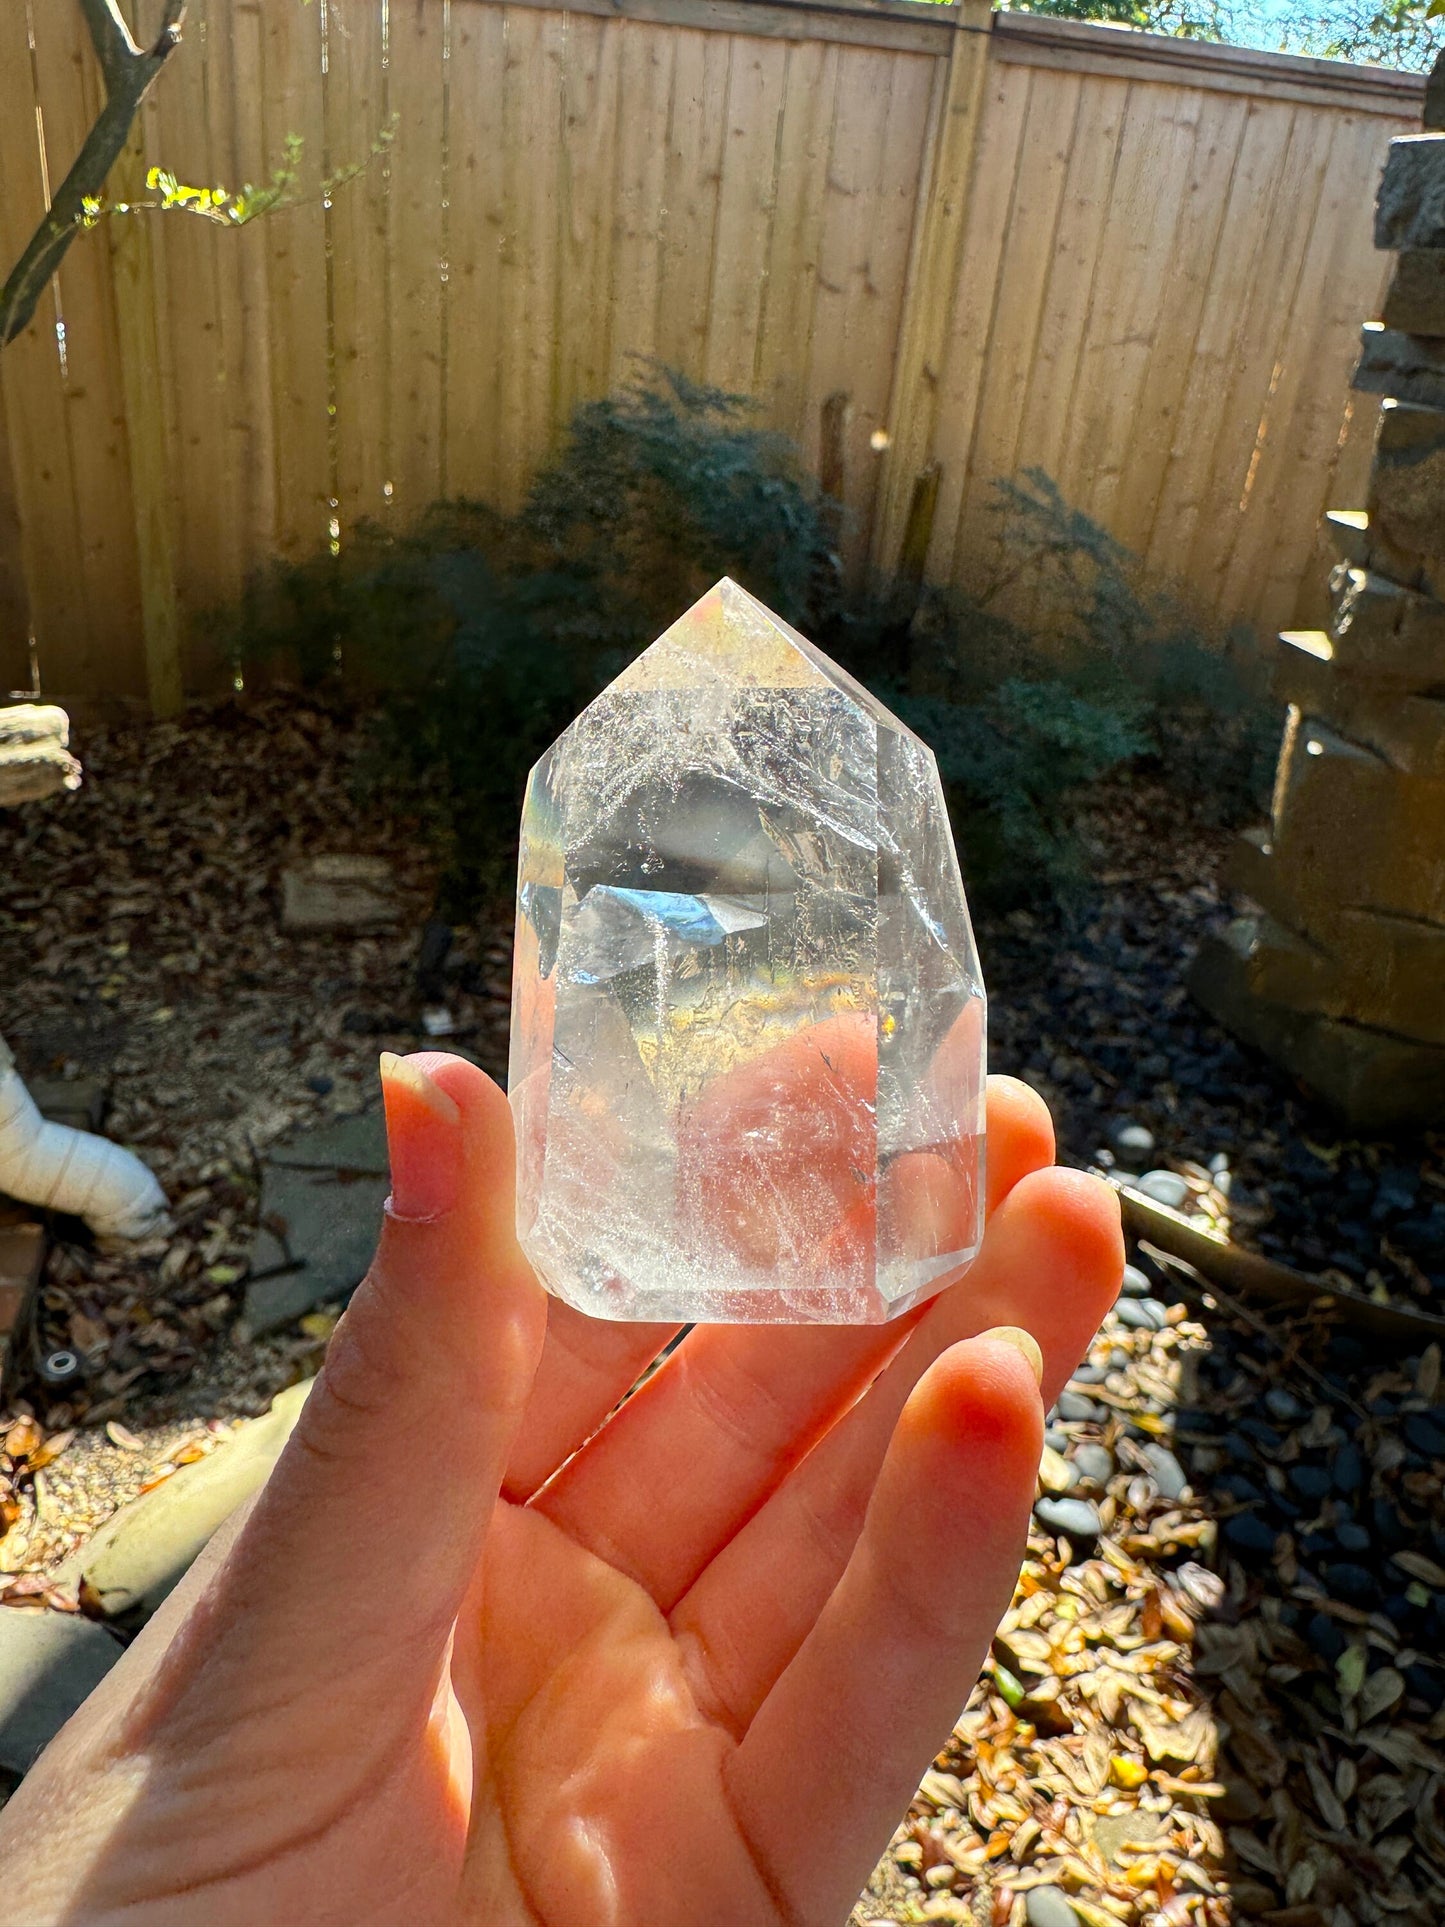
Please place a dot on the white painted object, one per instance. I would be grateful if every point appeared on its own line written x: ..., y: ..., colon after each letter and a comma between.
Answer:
x: 74, y: 1171
x: 35, y: 760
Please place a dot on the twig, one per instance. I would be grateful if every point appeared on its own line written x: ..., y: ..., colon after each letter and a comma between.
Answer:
x: 128, y: 72
x: 1207, y: 1288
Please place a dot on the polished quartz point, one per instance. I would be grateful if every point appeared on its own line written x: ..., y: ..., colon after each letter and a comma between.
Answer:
x: 747, y: 1017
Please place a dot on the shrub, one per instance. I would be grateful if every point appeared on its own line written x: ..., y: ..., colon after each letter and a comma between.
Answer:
x: 479, y: 636
x: 1199, y: 694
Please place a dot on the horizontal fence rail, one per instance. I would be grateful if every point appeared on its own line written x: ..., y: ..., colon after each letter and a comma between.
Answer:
x: 939, y: 248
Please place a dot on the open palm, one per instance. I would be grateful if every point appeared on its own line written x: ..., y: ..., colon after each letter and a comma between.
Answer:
x: 483, y: 1654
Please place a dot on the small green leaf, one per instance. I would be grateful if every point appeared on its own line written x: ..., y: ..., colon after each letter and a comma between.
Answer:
x: 1011, y: 1689
x: 1350, y: 1670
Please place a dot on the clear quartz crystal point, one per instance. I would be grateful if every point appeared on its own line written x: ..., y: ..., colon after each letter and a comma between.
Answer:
x: 747, y: 1017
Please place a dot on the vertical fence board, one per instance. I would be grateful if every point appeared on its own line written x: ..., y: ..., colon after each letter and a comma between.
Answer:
x: 528, y: 265
x: 415, y: 255
x: 966, y: 352
x: 1241, y: 411
x: 478, y: 217
x: 645, y: 92
x: 882, y: 110
x: 908, y: 468
x: 882, y: 289
x: 35, y: 397
x: 183, y: 247
x: 539, y: 74
x: 1184, y: 491
x: 587, y: 164
x: 295, y: 234
x: 752, y: 116
x: 14, y: 601
x: 697, y: 134
x: 1192, y: 263
x: 1041, y: 177
x: 1046, y: 413
x: 243, y: 443
x: 70, y: 87
x: 785, y: 339
x: 1300, y: 429
x: 358, y: 108
x: 1152, y: 167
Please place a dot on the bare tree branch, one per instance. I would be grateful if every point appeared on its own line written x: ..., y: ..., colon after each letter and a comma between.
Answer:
x: 128, y: 71
x: 110, y: 37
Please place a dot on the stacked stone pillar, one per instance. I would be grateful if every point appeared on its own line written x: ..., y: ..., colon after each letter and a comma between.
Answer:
x: 1340, y: 973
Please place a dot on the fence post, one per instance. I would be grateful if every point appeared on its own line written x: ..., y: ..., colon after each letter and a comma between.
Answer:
x: 14, y: 597
x: 933, y: 261
x: 138, y: 327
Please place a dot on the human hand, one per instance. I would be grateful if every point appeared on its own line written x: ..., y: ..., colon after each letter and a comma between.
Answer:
x: 470, y: 1659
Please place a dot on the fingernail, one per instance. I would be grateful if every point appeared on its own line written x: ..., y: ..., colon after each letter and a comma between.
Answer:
x: 1024, y: 1343
x: 423, y: 1141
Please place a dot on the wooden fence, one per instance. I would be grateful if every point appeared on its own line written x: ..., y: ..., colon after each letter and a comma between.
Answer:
x: 937, y: 247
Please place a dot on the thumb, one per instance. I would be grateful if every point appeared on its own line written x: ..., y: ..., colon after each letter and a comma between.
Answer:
x: 376, y: 1512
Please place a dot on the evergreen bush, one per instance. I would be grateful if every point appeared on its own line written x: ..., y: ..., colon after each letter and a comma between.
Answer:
x: 476, y: 637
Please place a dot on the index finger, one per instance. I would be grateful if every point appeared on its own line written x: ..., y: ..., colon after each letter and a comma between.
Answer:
x: 589, y: 1365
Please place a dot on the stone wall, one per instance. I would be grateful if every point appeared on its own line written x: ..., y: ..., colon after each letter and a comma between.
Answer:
x: 1339, y: 971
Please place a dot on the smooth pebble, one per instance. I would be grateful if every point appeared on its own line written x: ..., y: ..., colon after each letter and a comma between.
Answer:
x: 1166, y: 1471
x: 1049, y: 1907
x: 1093, y: 1462
x: 1164, y: 1187
x: 1076, y: 1519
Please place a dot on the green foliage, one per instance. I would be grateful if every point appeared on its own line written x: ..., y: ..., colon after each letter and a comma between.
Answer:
x: 478, y: 636
x: 1142, y: 652
x: 663, y: 488
x: 481, y: 635
x: 236, y: 209
x: 1391, y: 33
x: 1183, y: 19
x: 1023, y: 723
x: 1015, y: 764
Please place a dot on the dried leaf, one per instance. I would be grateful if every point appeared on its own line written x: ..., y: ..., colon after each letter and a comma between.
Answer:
x: 1055, y: 1473
x: 88, y: 1335
x: 89, y: 1600
x: 1380, y: 1690
x: 1330, y: 1810
x: 1417, y: 1566
x: 1203, y: 1587
x: 1427, y: 1377
x: 51, y: 1450
x: 1151, y: 1620
x: 23, y: 1438
x: 1253, y: 1851
x: 944, y: 1790
x: 1350, y: 1669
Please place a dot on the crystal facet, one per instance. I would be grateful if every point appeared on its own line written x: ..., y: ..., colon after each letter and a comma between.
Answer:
x: 747, y: 1016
